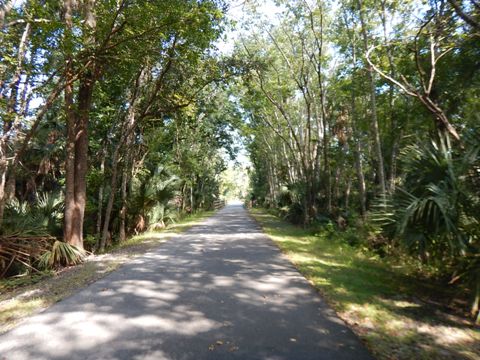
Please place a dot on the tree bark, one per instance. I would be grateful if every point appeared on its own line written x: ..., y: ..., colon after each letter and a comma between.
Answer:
x: 11, y: 110
x: 395, y: 136
x: 101, y: 242
x: 100, y: 195
x: 347, y: 193
x: 122, y: 233
x: 373, y: 102
x: 71, y: 122
x: 360, y: 178
x: 358, y: 147
x: 127, y: 132
x: 77, y: 134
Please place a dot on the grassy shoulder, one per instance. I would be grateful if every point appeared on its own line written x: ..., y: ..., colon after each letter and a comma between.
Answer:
x: 22, y: 297
x: 381, y: 302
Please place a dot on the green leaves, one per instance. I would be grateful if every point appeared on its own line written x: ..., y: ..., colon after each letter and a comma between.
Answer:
x: 61, y: 254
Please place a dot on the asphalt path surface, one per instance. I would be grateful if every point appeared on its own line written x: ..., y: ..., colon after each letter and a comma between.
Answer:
x: 222, y: 290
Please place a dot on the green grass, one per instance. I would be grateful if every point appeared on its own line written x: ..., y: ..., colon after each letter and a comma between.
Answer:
x: 376, y: 299
x: 24, y: 296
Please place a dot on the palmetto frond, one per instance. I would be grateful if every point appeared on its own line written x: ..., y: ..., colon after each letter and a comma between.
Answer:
x: 428, y: 210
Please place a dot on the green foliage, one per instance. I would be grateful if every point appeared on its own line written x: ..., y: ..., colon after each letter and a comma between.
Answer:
x: 326, y: 129
x: 26, y: 241
x: 435, y: 212
x: 290, y: 205
x: 432, y: 209
x: 61, y: 254
x: 39, y: 218
x: 382, y: 298
x: 152, y: 196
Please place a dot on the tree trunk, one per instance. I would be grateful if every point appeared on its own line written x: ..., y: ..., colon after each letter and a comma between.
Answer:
x: 336, y: 186
x: 373, y: 103
x: 11, y: 111
x: 184, y: 195
x: 326, y: 168
x: 3, y: 178
x: 122, y: 233
x: 77, y: 139
x: 361, y: 179
x: 391, y: 99
x: 357, y: 151
x: 100, y: 196
x: 100, y: 245
x: 70, y: 141
x: 347, y: 193
x: 124, y: 142
x: 76, y: 164
x: 191, y: 199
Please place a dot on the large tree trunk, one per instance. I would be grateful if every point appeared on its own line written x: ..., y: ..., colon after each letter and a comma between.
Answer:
x: 77, y: 136
x: 76, y: 161
x: 70, y: 205
x: 81, y: 158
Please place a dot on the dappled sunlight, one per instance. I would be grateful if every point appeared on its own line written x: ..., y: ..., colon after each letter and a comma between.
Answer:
x: 314, y: 260
x: 372, y: 300
x: 444, y: 334
x: 400, y: 303
x: 290, y: 240
x: 222, y: 281
x: 377, y: 322
x: 16, y: 308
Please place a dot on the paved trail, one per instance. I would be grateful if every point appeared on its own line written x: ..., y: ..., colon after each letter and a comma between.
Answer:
x: 220, y: 291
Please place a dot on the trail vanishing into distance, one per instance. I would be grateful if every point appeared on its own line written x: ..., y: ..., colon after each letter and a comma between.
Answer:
x: 348, y: 129
x: 222, y: 290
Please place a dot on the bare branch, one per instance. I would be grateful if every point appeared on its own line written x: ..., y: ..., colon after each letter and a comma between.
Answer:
x: 404, y: 87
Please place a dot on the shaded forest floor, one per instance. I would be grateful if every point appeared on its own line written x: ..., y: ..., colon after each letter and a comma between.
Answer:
x: 396, y: 315
x: 27, y: 295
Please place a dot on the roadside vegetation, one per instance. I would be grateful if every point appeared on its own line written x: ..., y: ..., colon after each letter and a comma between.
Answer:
x: 384, y: 300
x: 25, y: 295
x: 111, y: 125
x: 364, y: 117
